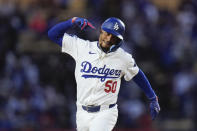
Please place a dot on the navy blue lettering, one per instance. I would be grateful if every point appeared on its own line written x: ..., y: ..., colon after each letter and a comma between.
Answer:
x: 106, y: 72
x: 119, y: 72
x: 116, y: 72
x: 94, y: 70
x: 86, y: 67
x: 111, y: 72
x: 102, y: 73
x: 101, y: 70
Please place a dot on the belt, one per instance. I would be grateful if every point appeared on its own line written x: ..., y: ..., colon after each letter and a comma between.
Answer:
x: 92, y: 109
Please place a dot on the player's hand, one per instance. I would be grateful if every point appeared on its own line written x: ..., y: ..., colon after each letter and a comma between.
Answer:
x: 154, y: 107
x: 82, y: 23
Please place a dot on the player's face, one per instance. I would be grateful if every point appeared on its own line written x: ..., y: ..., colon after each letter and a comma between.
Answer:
x: 106, y: 40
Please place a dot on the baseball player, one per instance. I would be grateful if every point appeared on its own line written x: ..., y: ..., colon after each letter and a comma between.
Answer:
x: 100, y: 65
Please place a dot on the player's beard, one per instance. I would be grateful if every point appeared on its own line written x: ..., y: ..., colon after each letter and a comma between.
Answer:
x: 105, y: 48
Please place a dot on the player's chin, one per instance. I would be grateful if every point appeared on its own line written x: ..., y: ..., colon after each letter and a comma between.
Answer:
x: 105, y: 44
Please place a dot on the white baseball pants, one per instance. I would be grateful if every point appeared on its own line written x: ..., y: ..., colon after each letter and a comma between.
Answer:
x: 103, y: 120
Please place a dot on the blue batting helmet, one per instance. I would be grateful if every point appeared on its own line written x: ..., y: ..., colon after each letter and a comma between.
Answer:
x: 114, y: 26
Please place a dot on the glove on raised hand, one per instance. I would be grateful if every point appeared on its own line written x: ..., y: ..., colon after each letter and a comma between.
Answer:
x: 154, y: 107
x: 82, y: 23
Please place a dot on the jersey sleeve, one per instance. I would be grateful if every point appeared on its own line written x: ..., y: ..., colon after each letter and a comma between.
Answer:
x: 70, y: 45
x: 131, y: 68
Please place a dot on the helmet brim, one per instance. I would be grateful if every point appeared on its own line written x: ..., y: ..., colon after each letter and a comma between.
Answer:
x: 112, y: 32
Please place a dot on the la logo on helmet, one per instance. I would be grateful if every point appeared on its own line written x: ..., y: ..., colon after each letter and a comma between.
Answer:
x: 116, y: 27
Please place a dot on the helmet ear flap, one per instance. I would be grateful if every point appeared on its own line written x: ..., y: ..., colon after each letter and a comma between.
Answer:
x: 115, y: 47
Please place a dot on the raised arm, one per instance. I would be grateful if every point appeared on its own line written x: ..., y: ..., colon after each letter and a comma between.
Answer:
x: 56, y: 33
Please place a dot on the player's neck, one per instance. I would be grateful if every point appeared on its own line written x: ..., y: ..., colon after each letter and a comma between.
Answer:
x: 105, y: 50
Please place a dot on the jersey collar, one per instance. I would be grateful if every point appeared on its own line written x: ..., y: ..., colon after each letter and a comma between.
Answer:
x: 109, y: 52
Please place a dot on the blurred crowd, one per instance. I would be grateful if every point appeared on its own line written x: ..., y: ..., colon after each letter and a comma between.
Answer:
x: 37, y: 83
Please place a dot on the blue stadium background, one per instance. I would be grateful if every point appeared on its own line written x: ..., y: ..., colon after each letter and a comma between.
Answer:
x: 37, y: 84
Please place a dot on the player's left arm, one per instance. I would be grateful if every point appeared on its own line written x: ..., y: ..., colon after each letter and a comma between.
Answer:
x: 141, y: 80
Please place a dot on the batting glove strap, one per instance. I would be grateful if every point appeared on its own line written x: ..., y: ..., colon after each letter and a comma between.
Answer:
x: 82, y: 23
x: 154, y: 108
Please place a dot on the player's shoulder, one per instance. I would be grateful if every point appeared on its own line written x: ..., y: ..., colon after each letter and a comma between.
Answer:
x: 126, y: 57
x: 124, y: 53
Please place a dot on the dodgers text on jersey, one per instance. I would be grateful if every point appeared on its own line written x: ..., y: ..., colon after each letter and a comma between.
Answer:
x: 102, y: 73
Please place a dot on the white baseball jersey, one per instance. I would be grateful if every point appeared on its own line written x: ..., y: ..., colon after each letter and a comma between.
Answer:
x: 98, y: 75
